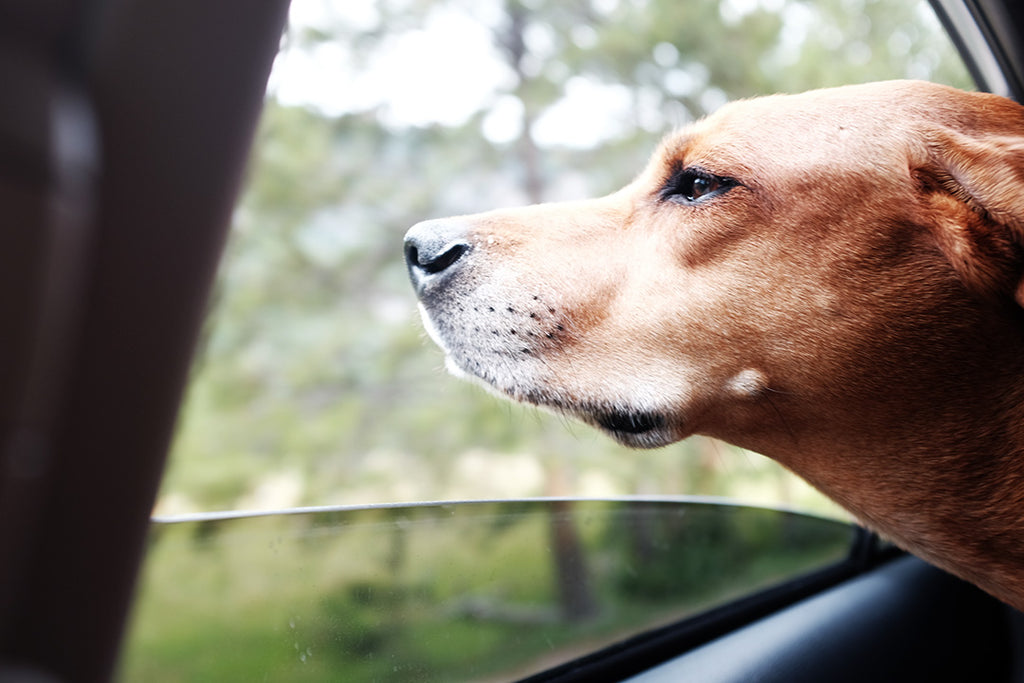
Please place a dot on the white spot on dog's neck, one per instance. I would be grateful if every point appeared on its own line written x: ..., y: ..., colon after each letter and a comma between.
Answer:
x: 749, y: 383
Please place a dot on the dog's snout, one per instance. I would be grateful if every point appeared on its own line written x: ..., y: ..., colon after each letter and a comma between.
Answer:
x: 433, y: 248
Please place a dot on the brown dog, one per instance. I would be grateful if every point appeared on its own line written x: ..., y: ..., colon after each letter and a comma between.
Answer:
x: 833, y: 279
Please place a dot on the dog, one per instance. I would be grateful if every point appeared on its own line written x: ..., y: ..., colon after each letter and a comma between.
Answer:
x: 833, y: 279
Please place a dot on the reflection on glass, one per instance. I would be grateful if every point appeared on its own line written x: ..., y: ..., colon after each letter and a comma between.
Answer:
x: 443, y: 592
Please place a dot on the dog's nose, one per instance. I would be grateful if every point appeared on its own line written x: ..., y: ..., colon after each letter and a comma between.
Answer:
x: 432, y: 248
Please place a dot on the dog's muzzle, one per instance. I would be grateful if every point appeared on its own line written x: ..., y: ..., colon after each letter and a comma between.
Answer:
x: 508, y: 335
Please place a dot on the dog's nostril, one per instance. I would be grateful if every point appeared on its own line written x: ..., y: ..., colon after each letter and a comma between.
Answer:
x: 435, y: 263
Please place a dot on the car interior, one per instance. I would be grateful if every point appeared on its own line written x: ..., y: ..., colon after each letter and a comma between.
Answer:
x: 124, y: 134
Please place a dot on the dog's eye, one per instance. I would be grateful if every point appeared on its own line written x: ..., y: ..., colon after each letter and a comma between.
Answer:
x: 691, y: 185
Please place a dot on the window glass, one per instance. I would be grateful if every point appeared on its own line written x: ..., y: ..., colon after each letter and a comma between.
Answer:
x: 447, y: 592
x: 314, y: 383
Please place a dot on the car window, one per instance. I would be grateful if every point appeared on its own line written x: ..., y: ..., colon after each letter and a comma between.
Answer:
x: 449, y: 591
x: 314, y: 383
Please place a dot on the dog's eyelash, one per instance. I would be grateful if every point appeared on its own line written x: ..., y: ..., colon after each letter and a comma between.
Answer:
x: 692, y: 185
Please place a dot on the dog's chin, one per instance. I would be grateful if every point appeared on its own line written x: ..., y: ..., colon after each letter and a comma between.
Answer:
x: 634, y: 428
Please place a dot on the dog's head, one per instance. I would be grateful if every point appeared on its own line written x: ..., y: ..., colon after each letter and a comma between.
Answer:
x: 790, y: 265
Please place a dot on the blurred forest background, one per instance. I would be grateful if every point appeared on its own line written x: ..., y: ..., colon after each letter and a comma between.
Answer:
x: 315, y: 384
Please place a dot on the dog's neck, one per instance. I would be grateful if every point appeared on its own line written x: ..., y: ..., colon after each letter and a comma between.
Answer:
x: 946, y: 483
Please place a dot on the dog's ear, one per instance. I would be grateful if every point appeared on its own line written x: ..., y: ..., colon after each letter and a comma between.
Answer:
x: 975, y: 183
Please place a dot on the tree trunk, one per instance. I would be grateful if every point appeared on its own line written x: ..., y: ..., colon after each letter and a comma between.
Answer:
x: 576, y: 598
x: 514, y: 44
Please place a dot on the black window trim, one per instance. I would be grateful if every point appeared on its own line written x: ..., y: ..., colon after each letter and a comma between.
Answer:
x: 987, y: 35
